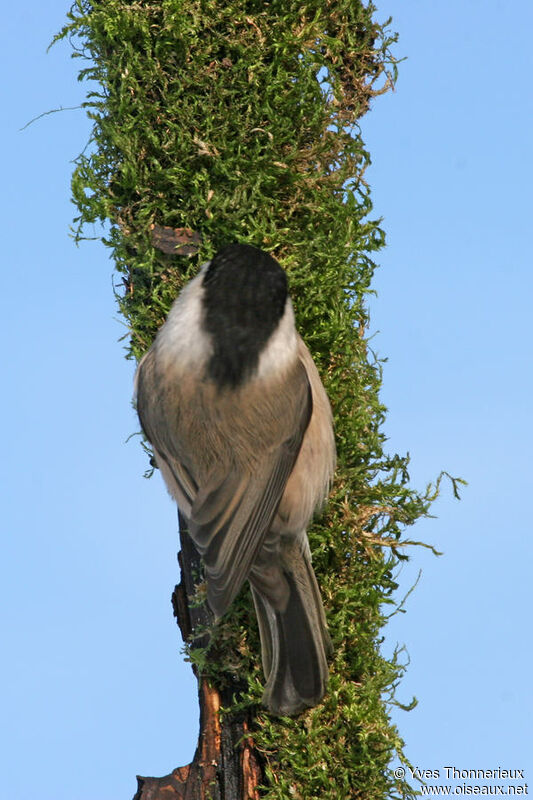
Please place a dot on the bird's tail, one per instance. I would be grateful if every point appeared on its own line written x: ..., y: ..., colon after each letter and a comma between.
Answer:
x: 294, y: 639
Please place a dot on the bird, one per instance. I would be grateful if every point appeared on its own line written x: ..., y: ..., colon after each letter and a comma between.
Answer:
x: 241, y: 429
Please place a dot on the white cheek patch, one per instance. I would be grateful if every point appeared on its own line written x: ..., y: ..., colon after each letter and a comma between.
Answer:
x: 182, y: 341
x: 281, y: 350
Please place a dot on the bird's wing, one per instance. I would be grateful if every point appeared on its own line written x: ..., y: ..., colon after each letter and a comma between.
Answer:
x: 159, y: 429
x: 231, y: 515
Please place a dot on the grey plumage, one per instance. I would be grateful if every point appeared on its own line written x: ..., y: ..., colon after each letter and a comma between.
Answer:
x: 248, y: 455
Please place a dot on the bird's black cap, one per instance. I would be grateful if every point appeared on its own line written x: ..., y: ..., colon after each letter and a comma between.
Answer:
x: 245, y: 291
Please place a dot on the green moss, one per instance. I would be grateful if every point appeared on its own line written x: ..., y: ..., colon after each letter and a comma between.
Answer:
x: 239, y: 120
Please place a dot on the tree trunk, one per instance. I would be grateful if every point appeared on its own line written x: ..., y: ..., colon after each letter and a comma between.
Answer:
x: 225, y: 765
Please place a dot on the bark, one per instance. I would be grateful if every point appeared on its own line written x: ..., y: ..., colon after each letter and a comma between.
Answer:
x: 225, y: 765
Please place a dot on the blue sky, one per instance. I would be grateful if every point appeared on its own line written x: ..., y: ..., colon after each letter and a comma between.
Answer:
x: 95, y: 690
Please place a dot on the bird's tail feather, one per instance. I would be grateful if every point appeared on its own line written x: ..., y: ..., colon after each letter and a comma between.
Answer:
x: 294, y: 638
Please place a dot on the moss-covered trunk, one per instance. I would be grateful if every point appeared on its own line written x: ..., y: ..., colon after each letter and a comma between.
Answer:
x: 239, y: 122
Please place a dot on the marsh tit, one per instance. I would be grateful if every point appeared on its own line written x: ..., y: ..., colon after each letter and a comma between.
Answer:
x: 241, y: 429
